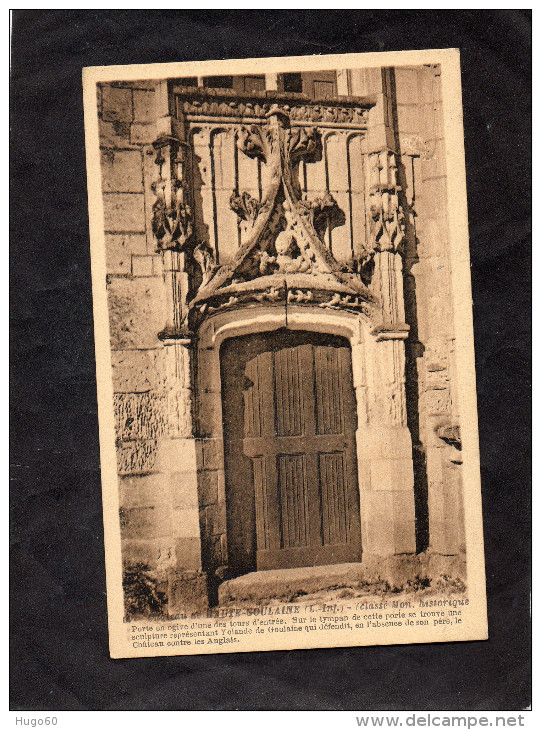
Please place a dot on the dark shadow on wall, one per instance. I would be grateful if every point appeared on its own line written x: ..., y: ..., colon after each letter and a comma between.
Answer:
x: 414, y: 348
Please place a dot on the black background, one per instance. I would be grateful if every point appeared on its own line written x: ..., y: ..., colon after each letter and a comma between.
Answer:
x: 58, y: 603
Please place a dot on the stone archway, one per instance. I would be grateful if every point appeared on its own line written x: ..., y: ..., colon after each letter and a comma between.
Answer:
x: 383, y: 443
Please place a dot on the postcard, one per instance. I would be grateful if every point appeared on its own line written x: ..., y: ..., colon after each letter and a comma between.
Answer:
x: 285, y: 356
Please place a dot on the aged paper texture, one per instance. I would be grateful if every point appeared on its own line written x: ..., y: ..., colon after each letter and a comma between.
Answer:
x: 284, y: 348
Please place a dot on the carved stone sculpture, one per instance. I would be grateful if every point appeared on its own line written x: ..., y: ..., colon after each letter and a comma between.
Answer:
x: 172, y: 223
x: 282, y: 234
x: 172, y: 219
x: 386, y: 229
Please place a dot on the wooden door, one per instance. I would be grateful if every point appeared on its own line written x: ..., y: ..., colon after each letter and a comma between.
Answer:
x: 289, y: 430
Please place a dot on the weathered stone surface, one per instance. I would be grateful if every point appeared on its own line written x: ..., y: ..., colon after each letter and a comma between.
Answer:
x: 208, y: 487
x: 408, y: 118
x: 149, y: 490
x: 213, y: 551
x: 183, y: 489
x: 180, y: 455
x: 209, y: 412
x: 407, y: 85
x: 143, y: 106
x: 431, y: 237
x: 188, y: 593
x: 136, y: 313
x: 446, y: 571
x: 145, y: 265
x: 432, y: 201
x: 392, y: 474
x: 122, y: 171
x: 431, y: 121
x: 188, y: 553
x: 115, y: 135
x: 119, y: 249
x: 380, y: 442
x: 140, y: 415
x: 137, y: 371
x: 397, y: 573
x: 433, y: 166
x: 436, y: 402
x: 142, y: 551
x: 145, y: 522
x: 141, y: 134
x: 136, y: 457
x: 116, y: 104
x: 212, y: 452
x: 186, y: 522
x: 124, y: 213
x: 213, y: 519
x: 376, y: 514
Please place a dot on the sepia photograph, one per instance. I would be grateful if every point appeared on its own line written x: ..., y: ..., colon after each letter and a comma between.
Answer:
x: 270, y: 384
x: 282, y: 333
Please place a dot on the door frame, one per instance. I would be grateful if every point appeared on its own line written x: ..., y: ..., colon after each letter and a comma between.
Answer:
x: 384, y: 452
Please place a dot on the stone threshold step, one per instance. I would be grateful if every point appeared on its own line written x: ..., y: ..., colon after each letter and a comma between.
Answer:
x: 394, y: 573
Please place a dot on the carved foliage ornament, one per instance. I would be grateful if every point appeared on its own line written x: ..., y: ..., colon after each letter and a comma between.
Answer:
x: 386, y: 215
x: 172, y: 219
x: 172, y: 223
x: 245, y: 206
x: 282, y: 233
x: 315, y: 113
x: 282, y: 255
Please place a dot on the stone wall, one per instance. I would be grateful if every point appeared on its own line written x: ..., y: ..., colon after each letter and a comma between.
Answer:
x: 157, y: 461
x: 410, y: 115
x: 419, y: 123
x: 136, y: 315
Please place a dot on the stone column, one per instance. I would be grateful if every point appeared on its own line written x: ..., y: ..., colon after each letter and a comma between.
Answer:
x: 172, y: 226
x: 384, y: 444
x: 179, y: 458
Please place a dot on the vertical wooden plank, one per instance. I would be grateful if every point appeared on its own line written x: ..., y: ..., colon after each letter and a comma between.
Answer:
x: 329, y: 404
x: 308, y: 387
x: 350, y: 453
x: 334, y: 499
x: 289, y: 396
x: 262, y: 374
x: 294, y: 500
x: 262, y: 517
x: 253, y: 416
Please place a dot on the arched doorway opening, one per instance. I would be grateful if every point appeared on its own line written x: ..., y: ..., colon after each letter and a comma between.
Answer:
x: 289, y: 424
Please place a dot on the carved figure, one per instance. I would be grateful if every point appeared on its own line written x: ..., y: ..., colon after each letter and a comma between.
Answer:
x: 204, y: 256
x: 172, y: 224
